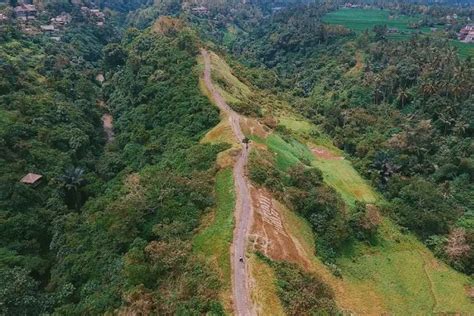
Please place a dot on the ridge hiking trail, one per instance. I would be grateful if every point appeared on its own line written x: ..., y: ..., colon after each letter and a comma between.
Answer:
x: 243, y: 209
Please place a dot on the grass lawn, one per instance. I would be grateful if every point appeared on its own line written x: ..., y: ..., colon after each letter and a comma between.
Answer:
x: 365, y: 19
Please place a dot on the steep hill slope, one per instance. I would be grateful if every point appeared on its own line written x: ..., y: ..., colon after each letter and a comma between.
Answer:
x: 391, y: 272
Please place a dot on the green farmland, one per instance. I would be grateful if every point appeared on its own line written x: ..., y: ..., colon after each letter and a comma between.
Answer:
x: 363, y: 19
x: 360, y: 20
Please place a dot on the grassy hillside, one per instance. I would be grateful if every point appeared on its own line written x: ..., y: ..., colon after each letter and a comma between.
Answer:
x: 398, y: 267
x: 394, y: 272
x: 215, y: 238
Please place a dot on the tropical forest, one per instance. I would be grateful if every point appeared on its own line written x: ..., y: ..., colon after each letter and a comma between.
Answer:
x: 236, y: 157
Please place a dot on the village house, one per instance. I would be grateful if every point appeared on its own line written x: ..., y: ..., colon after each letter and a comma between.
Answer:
x: 47, y: 29
x: 469, y: 37
x: 97, y: 14
x: 61, y: 20
x: 200, y: 10
x: 466, y: 34
x: 25, y: 12
x: 350, y: 5
x: 392, y: 30
x: 3, y: 18
x: 32, y: 179
x: 94, y: 14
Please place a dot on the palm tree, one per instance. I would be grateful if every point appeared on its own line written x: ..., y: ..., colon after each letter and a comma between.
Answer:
x: 428, y: 88
x: 402, y: 96
x: 73, y: 180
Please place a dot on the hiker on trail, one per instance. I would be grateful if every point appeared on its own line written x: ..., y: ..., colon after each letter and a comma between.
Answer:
x: 241, y: 259
x: 246, y: 141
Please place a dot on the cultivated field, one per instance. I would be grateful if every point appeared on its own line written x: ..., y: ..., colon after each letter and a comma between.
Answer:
x: 360, y: 20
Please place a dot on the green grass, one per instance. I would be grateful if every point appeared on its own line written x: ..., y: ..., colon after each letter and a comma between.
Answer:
x: 360, y: 20
x: 229, y: 86
x: 288, y: 153
x: 464, y: 49
x: 365, y: 19
x: 402, y: 272
x: 230, y: 35
x: 406, y: 274
x: 264, y: 288
x: 215, y: 240
x: 340, y: 175
x: 296, y: 125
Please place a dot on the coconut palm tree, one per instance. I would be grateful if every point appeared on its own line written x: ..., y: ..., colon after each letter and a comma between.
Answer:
x: 73, y: 180
x: 428, y: 88
x: 402, y: 96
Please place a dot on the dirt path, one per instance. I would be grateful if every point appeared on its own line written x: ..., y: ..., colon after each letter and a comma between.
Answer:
x: 243, y: 213
x: 433, y: 295
x: 108, y: 127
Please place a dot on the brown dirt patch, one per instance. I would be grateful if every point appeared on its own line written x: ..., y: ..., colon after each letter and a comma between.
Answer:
x: 108, y: 126
x: 358, y: 193
x: 251, y: 126
x: 263, y: 287
x: 323, y: 153
x: 357, y: 69
x: 470, y: 291
x: 269, y: 233
x: 272, y: 235
x: 221, y: 133
x: 227, y: 158
x: 167, y: 25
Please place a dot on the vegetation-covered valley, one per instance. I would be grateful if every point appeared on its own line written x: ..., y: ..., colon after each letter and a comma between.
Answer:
x: 359, y: 171
x: 108, y: 221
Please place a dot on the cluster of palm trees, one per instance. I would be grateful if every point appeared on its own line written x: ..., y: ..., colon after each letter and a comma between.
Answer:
x: 428, y: 68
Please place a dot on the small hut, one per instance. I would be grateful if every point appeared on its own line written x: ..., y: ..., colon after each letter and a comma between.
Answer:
x: 31, y: 179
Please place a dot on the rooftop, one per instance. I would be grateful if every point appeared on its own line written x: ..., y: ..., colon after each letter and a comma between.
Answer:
x: 25, y: 8
x: 31, y: 178
x: 47, y: 27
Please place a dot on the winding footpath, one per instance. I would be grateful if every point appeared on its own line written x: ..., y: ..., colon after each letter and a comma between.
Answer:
x: 243, y: 212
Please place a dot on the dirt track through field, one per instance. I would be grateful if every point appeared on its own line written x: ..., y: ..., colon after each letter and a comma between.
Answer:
x: 243, y: 212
